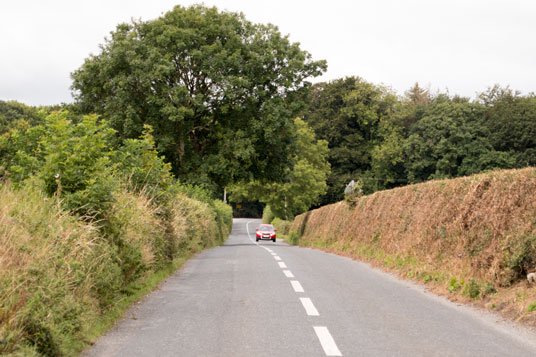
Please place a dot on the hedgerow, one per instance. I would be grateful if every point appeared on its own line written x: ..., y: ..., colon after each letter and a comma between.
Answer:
x: 83, y: 222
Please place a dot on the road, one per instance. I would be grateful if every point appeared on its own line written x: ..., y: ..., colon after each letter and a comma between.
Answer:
x: 273, y: 299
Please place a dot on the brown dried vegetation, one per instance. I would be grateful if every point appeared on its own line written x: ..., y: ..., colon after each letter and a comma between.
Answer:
x: 473, y: 238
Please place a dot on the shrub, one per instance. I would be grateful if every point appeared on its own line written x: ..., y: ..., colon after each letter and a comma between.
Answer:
x: 71, y: 160
x: 472, y: 289
x: 267, y: 215
x: 282, y: 226
x: 519, y: 257
x: 293, y: 238
x: 137, y: 163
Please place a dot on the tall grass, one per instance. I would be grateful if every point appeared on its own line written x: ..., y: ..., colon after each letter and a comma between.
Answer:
x: 59, y: 275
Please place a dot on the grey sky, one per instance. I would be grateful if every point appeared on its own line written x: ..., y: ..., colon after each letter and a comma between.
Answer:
x: 464, y: 46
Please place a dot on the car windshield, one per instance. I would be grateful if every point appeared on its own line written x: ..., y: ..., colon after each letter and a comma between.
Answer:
x: 266, y: 228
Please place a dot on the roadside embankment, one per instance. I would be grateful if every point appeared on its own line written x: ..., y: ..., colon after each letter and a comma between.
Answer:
x: 471, y: 238
x: 64, y: 281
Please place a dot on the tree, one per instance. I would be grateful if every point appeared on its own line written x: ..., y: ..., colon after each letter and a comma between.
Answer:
x: 511, y: 121
x: 17, y: 115
x: 449, y: 141
x: 219, y: 91
x: 347, y: 114
x: 306, y: 180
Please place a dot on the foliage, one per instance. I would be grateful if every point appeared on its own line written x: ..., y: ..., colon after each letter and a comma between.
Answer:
x: 511, y: 121
x: 71, y: 160
x: 520, y: 257
x: 267, y: 215
x: 348, y: 114
x: 472, y: 289
x: 17, y: 115
x: 59, y: 275
x: 282, y: 226
x: 306, y: 180
x: 138, y: 163
x: 217, y: 89
x: 293, y: 238
x: 387, y: 141
x: 531, y: 307
x: 450, y: 141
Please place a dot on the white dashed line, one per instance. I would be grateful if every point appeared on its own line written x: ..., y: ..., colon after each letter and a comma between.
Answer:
x: 327, y: 342
x: 322, y: 332
x: 288, y: 273
x: 297, y: 286
x: 310, y: 309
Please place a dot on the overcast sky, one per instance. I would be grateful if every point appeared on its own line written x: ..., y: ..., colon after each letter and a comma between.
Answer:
x: 465, y: 46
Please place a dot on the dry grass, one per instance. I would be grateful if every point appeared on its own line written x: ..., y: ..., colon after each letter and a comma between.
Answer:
x: 59, y: 276
x: 41, y: 251
x: 480, y: 228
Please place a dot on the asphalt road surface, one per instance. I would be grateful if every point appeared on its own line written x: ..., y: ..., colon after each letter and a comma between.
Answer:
x: 273, y: 299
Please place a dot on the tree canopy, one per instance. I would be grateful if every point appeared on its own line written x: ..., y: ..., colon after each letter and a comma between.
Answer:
x: 384, y: 140
x: 15, y: 115
x: 306, y: 180
x: 219, y: 92
x: 348, y: 113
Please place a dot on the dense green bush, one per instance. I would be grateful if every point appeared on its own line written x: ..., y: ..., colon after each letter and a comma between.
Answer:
x: 71, y: 160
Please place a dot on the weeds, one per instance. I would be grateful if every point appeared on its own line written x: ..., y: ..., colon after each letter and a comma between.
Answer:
x: 531, y: 307
x: 472, y: 289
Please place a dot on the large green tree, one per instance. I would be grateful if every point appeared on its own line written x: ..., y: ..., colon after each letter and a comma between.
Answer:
x: 305, y: 184
x: 219, y: 91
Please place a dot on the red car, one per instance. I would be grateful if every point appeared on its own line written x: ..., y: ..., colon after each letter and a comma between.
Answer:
x: 265, y: 231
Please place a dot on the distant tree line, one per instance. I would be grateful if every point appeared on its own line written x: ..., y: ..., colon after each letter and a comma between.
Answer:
x: 230, y: 107
x: 385, y: 140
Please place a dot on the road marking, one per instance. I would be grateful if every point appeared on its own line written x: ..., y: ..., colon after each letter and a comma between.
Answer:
x: 327, y: 342
x: 277, y: 258
x: 297, y: 286
x: 249, y: 235
x: 273, y: 253
x: 282, y: 265
x: 310, y: 309
x: 268, y: 249
x: 288, y: 273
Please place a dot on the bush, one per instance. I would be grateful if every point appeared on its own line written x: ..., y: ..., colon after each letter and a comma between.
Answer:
x: 267, y: 215
x: 472, y: 289
x: 282, y: 226
x: 293, y: 238
x: 71, y: 160
x: 137, y: 163
x: 519, y: 257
